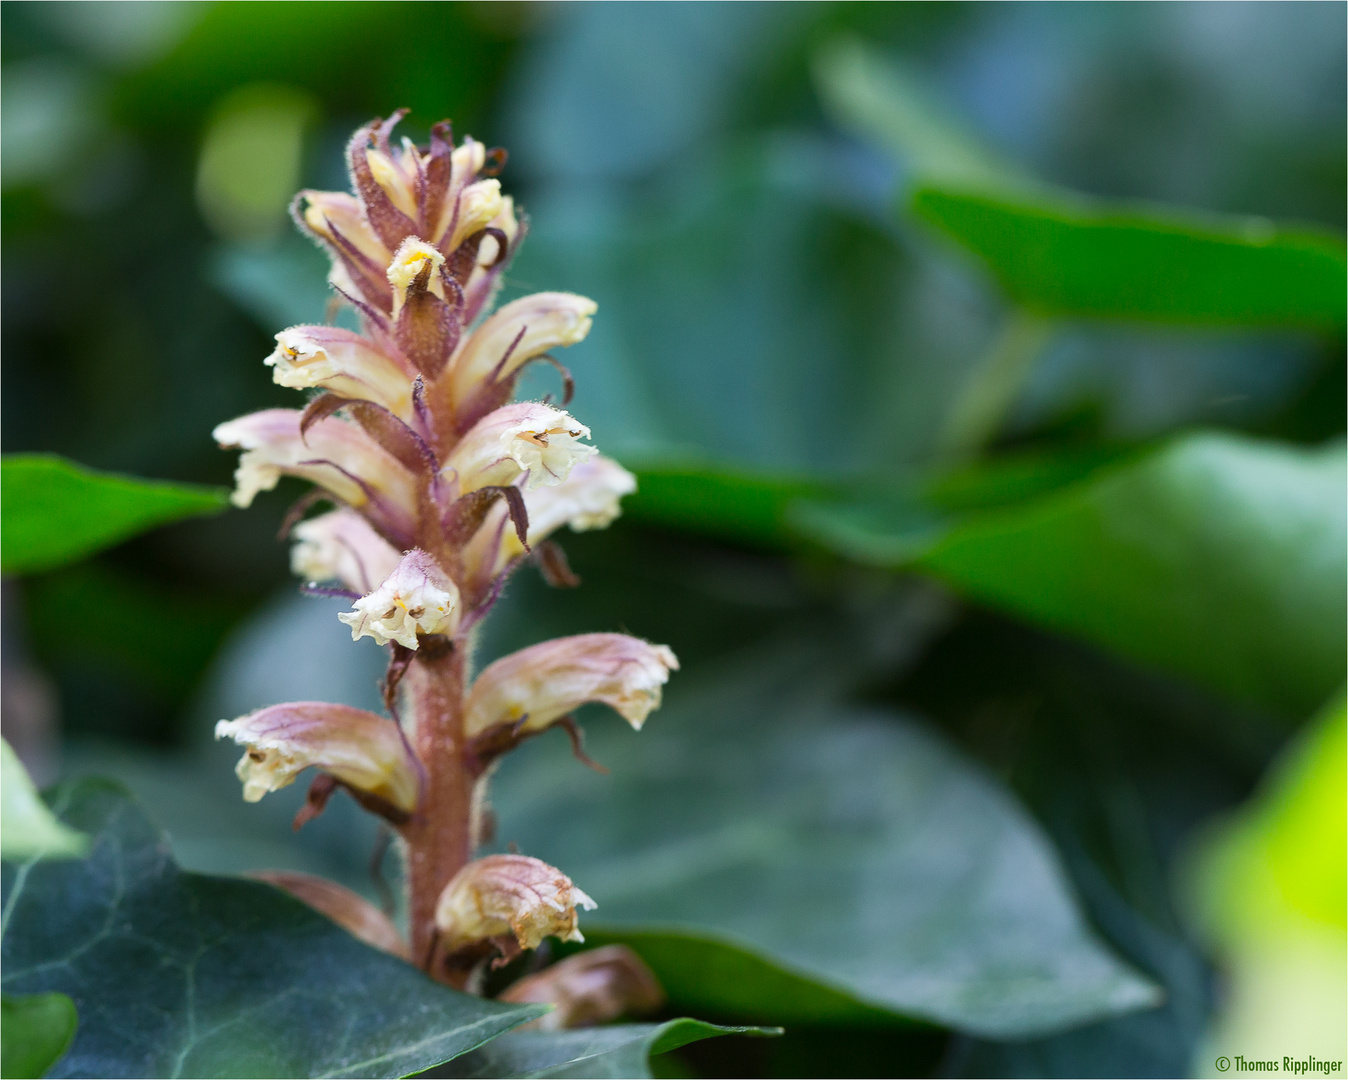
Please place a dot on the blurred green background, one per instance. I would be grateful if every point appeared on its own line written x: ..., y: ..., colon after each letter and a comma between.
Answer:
x: 767, y: 314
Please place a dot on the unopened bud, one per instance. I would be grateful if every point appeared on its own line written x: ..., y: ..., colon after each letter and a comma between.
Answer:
x: 591, y: 987
x: 342, y: 546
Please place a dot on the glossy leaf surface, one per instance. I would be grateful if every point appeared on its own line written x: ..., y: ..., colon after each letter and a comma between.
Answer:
x: 179, y: 974
x: 849, y: 848
x: 56, y: 511
x: 1057, y: 253
x: 619, y: 1050
x: 1218, y: 557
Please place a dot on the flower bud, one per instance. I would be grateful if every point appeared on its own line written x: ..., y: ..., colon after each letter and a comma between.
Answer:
x: 409, y: 261
x: 397, y: 175
x: 364, y: 751
x: 527, y: 439
x: 591, y: 987
x: 416, y: 598
x: 343, y: 362
x: 520, y: 331
x: 334, y: 454
x: 537, y: 686
x: 342, y: 546
x: 514, y: 895
x: 479, y: 203
x: 334, y: 216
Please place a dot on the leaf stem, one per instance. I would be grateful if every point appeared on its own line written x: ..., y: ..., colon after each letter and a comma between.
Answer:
x: 994, y: 383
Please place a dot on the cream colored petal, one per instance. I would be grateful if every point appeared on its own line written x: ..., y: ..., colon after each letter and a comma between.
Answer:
x: 354, y: 746
x: 342, y: 546
x: 418, y: 597
x: 527, y: 440
x: 520, y: 331
x: 513, y: 895
x: 308, y: 357
x: 541, y: 684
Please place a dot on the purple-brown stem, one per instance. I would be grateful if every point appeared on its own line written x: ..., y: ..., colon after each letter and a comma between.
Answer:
x: 439, y: 838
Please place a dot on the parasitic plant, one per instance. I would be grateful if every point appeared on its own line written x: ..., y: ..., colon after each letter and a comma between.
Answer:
x: 440, y: 487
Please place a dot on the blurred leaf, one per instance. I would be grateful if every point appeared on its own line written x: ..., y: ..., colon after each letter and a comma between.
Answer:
x: 718, y: 502
x: 1218, y: 557
x: 620, y: 1050
x: 1272, y: 888
x: 37, y: 1030
x: 1064, y: 254
x: 878, y: 99
x: 27, y: 828
x: 181, y: 974
x: 848, y: 848
x: 56, y: 511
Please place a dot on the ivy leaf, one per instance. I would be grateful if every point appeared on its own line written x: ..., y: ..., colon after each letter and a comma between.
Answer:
x: 1218, y: 557
x: 619, y: 1050
x: 36, y: 1031
x: 56, y: 511
x: 1058, y: 253
x: 27, y: 827
x: 180, y: 974
x: 847, y: 848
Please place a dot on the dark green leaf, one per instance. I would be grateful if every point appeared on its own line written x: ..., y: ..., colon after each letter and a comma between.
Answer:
x: 36, y: 1031
x: 55, y: 511
x: 1218, y: 557
x: 622, y: 1050
x: 848, y: 848
x: 179, y: 974
x: 1062, y: 254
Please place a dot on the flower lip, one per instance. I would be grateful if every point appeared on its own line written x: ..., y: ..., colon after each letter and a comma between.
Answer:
x: 416, y: 598
x: 528, y: 442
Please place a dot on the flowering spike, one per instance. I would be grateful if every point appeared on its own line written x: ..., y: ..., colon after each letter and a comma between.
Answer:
x: 539, y: 685
x: 416, y: 598
x: 442, y: 486
x: 357, y: 748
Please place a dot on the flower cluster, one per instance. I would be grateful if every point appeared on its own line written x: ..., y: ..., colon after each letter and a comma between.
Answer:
x: 440, y: 487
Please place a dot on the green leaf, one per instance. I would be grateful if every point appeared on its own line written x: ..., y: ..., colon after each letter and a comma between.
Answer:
x: 179, y: 974
x: 844, y: 847
x: 37, y: 1030
x: 55, y: 511
x: 620, y: 1050
x: 1067, y: 255
x: 27, y: 828
x: 1218, y: 557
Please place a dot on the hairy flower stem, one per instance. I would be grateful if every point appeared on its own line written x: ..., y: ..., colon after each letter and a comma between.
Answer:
x: 438, y: 839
